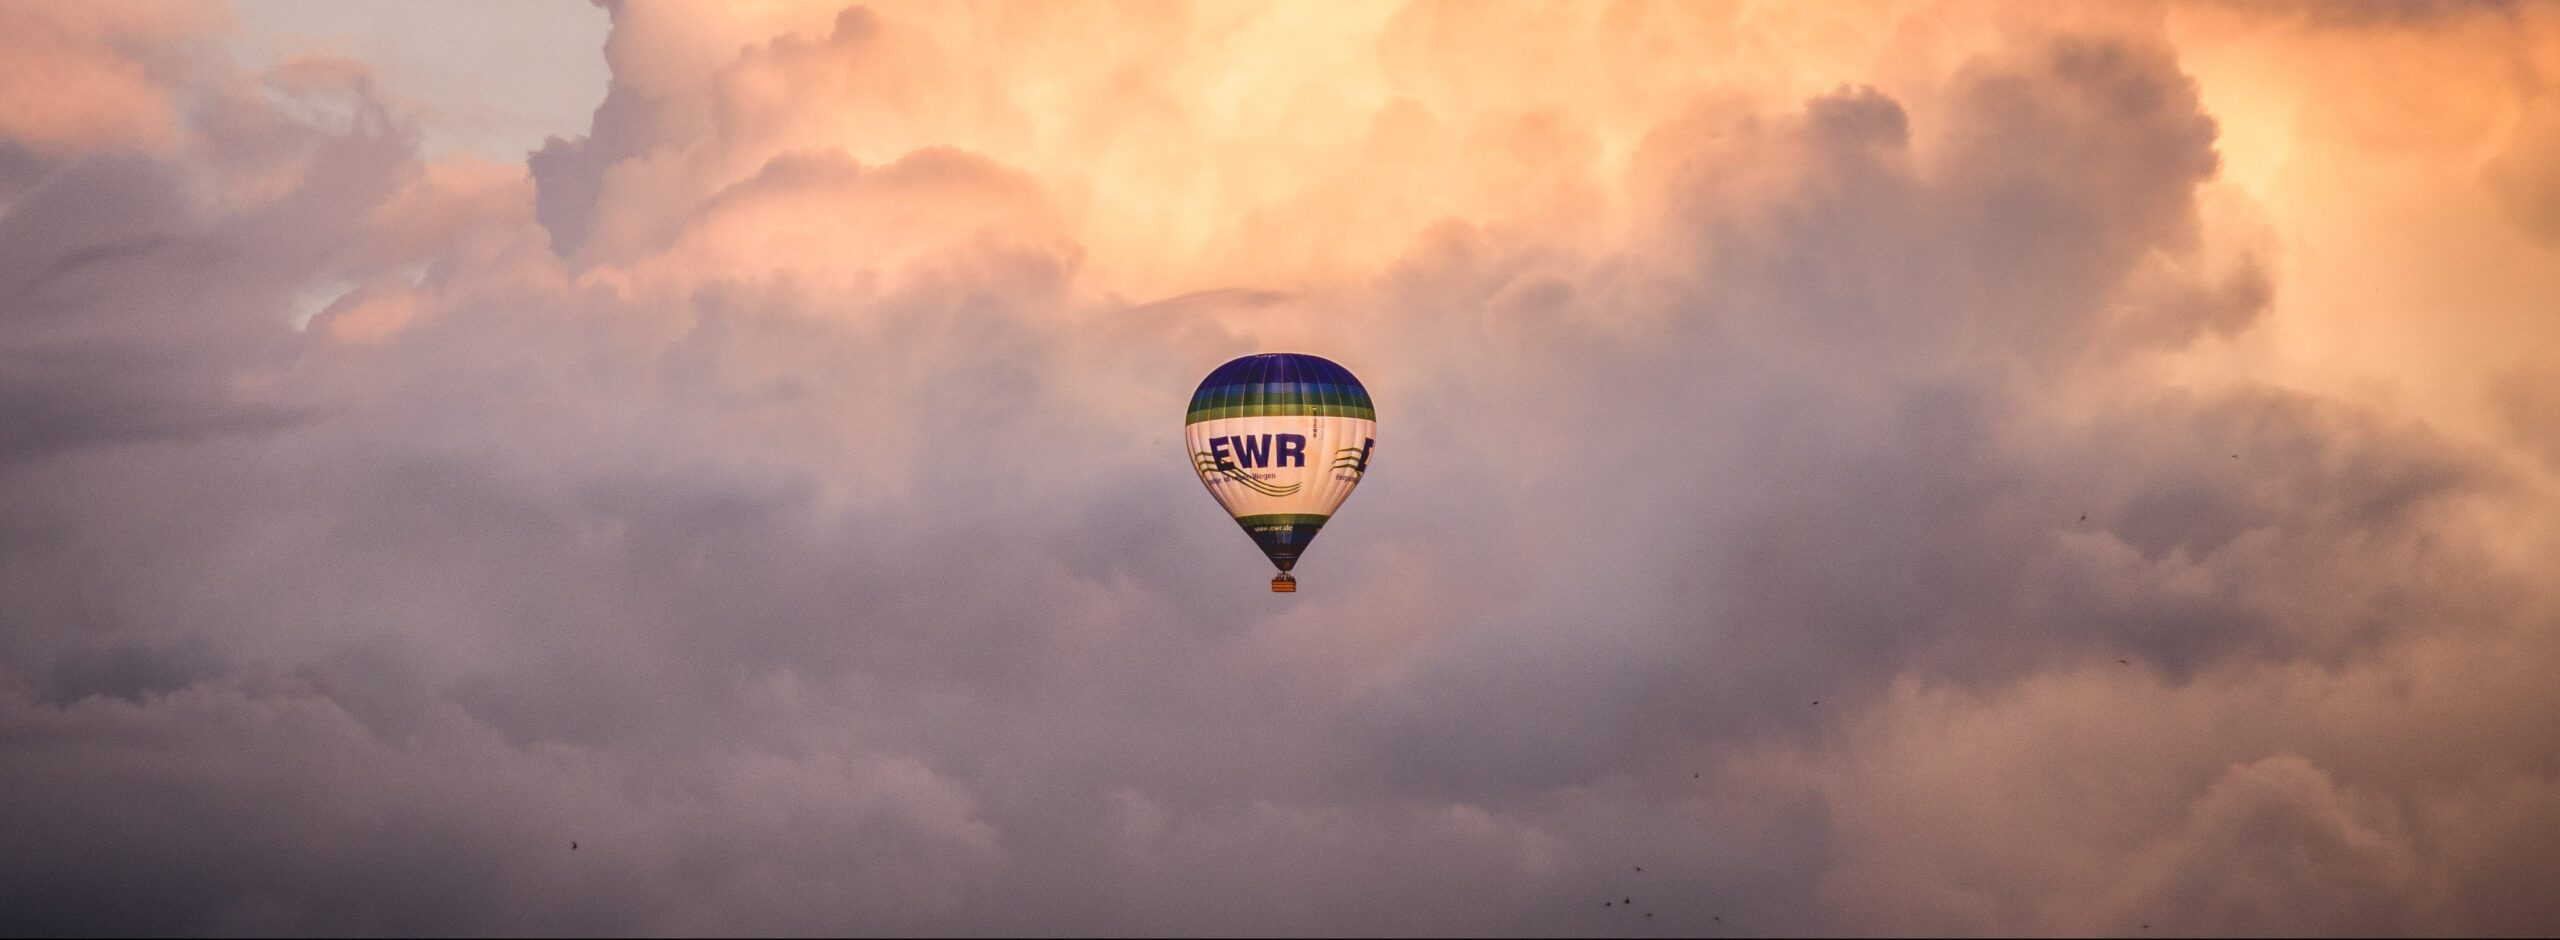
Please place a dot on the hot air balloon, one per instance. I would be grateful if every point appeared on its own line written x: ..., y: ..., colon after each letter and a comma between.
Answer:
x: 1280, y: 439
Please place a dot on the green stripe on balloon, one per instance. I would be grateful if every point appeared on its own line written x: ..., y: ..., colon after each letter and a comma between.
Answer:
x: 1309, y: 406
x: 1281, y: 519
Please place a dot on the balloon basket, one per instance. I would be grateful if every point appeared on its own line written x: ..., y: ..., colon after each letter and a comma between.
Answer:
x: 1284, y: 584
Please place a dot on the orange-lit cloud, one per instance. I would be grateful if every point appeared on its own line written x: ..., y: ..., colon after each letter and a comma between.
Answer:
x: 77, y: 77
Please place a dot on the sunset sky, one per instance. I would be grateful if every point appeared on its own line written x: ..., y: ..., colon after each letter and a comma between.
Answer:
x: 1876, y: 467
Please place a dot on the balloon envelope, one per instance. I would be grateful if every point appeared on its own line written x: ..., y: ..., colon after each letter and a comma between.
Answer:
x: 1280, y: 439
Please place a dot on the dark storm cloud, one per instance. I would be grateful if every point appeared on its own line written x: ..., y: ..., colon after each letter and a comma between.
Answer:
x: 134, y: 314
x: 816, y: 556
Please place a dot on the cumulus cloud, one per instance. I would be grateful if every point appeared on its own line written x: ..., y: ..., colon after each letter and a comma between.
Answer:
x: 1858, y: 469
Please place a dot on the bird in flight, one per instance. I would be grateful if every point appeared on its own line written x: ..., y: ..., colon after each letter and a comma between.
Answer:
x: 573, y: 846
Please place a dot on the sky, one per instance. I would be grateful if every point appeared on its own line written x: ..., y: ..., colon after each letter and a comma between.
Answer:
x: 1886, y: 467
x: 493, y: 77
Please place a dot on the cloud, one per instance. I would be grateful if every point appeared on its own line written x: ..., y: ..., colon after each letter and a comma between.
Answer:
x: 1857, y: 473
x: 2521, y: 175
x: 260, y: 806
x: 99, y: 77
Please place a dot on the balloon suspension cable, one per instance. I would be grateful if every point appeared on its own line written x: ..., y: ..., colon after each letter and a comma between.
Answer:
x: 1284, y: 584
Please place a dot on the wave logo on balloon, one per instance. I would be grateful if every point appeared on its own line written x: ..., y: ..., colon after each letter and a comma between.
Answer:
x: 1354, y: 459
x: 1208, y: 463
